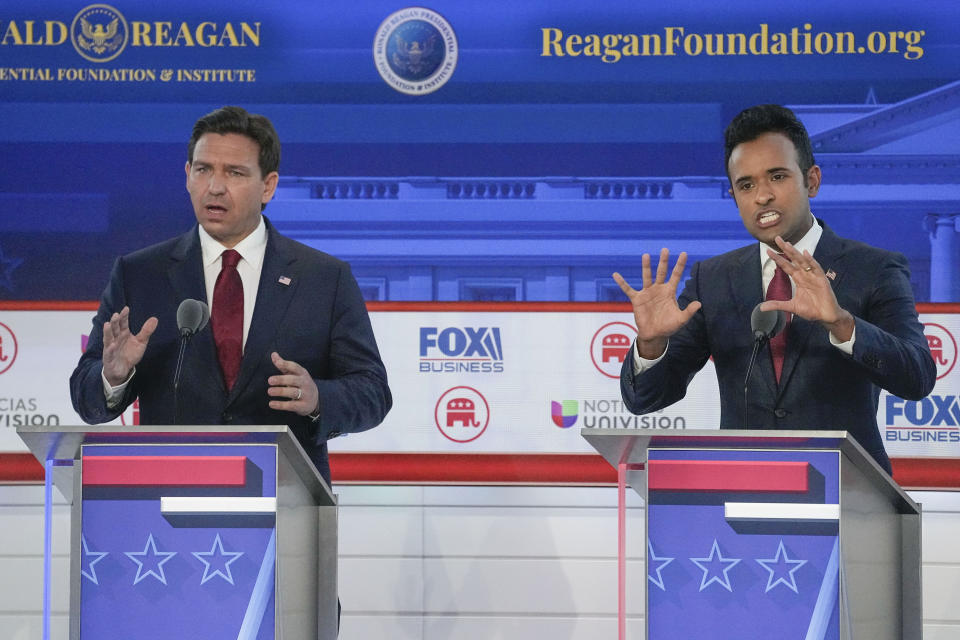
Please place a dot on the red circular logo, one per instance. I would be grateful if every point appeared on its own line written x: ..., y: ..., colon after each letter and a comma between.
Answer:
x: 943, y: 347
x: 8, y: 347
x: 462, y: 414
x: 610, y: 346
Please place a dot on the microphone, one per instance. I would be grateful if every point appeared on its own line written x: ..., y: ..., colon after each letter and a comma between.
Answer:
x: 192, y: 316
x: 764, y: 325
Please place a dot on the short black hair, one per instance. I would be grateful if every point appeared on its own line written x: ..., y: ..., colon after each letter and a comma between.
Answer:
x: 237, y: 120
x: 752, y: 123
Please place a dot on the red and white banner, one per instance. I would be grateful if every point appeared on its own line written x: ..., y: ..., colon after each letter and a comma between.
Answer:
x: 468, y: 379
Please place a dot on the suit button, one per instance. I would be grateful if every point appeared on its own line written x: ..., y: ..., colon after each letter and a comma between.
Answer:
x: 226, y: 417
x: 780, y: 413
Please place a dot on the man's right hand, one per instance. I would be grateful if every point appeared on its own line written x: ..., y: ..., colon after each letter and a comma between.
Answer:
x: 122, y: 350
x: 655, y: 308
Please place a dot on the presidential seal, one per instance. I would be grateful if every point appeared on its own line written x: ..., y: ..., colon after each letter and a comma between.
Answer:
x: 99, y: 33
x: 415, y: 51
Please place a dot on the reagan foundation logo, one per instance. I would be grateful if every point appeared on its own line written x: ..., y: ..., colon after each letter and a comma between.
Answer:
x: 415, y: 51
x: 99, y: 33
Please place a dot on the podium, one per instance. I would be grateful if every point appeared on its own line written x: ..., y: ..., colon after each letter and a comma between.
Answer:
x: 210, y: 532
x: 768, y: 534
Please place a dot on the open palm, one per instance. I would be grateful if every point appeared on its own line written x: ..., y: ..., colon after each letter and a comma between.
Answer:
x: 655, y: 308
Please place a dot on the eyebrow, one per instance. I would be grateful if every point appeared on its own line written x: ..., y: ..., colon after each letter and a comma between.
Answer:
x: 768, y: 172
x: 202, y: 163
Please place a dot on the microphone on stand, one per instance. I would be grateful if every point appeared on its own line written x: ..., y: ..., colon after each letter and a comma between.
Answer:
x: 765, y: 325
x: 192, y: 316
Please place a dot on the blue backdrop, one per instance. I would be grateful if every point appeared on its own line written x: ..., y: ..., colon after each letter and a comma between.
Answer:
x: 561, y: 141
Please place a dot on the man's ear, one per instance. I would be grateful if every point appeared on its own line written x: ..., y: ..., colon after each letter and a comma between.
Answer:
x: 269, y: 186
x: 813, y: 181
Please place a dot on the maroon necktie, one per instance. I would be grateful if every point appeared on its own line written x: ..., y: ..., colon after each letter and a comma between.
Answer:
x: 779, y: 289
x: 227, y: 317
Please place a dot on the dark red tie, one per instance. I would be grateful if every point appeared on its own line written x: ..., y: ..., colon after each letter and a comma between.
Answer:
x: 779, y: 289
x: 227, y: 317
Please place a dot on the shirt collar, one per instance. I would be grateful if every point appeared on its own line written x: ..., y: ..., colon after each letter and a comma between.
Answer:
x: 250, y: 248
x: 808, y: 242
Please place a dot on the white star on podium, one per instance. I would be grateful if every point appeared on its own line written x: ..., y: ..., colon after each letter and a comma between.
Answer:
x: 780, y: 566
x: 717, y: 565
x: 89, y: 560
x: 216, y: 557
x: 150, y: 555
x: 661, y: 564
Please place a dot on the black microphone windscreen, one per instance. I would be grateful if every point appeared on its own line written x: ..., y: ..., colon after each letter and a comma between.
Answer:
x: 192, y: 315
x: 766, y: 324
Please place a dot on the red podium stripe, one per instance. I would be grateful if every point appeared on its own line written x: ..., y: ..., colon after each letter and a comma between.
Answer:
x: 164, y: 471
x: 502, y: 469
x: 471, y: 468
x: 727, y: 475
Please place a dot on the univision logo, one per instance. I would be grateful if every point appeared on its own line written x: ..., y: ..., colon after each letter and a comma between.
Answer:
x: 564, y: 414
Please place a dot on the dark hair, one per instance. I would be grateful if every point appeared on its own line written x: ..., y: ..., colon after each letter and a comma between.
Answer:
x: 236, y: 120
x: 752, y: 123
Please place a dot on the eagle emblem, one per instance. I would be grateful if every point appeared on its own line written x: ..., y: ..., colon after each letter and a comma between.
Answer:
x: 413, y: 56
x: 98, y: 39
x: 415, y: 51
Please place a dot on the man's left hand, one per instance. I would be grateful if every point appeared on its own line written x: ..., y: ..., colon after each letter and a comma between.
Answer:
x: 813, y: 297
x: 294, y: 390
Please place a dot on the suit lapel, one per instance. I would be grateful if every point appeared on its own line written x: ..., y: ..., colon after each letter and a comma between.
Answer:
x: 187, y: 281
x: 829, y: 254
x: 279, y: 279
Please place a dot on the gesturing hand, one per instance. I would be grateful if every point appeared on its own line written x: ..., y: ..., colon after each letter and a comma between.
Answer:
x: 813, y: 297
x: 122, y: 350
x: 655, y: 308
x: 295, y: 386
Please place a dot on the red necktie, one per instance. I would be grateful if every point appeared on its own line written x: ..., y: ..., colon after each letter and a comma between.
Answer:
x: 227, y: 317
x: 779, y: 289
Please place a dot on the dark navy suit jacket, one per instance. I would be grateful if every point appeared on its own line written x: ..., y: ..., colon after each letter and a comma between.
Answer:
x: 820, y: 386
x: 309, y: 309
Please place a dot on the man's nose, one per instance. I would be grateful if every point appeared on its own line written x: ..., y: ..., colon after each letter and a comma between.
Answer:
x: 217, y: 184
x: 764, y: 193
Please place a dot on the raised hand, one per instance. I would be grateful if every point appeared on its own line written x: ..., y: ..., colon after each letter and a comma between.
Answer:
x: 813, y: 297
x: 122, y: 349
x: 655, y: 308
x: 294, y: 390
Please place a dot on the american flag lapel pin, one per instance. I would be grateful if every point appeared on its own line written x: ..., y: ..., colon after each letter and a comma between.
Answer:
x: 284, y: 280
x: 831, y: 274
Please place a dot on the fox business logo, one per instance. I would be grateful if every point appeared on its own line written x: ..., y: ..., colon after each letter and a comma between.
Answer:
x: 936, y: 418
x: 100, y: 33
x: 461, y: 350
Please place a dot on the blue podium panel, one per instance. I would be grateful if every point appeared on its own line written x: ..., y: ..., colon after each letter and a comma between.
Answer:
x: 178, y: 541
x: 743, y: 544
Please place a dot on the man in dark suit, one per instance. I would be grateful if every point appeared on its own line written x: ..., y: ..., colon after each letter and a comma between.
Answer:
x: 852, y: 322
x: 289, y: 340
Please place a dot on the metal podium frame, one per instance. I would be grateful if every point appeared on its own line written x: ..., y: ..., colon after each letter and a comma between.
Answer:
x: 306, y: 513
x: 876, y: 516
